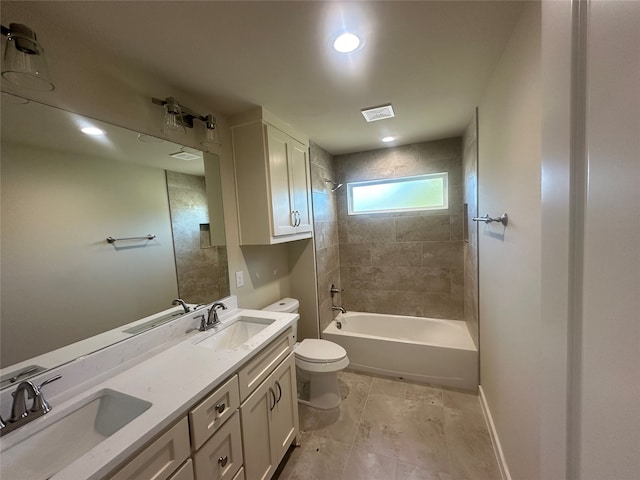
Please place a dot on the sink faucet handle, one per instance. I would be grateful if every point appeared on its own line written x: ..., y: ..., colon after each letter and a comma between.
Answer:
x: 39, y: 402
x: 203, y: 323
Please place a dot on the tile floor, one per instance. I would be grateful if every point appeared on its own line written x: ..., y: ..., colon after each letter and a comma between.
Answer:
x: 389, y: 429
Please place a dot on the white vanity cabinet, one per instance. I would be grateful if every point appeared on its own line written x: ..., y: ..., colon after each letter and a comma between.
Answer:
x: 269, y: 408
x: 240, y: 431
x: 270, y: 421
x: 273, y: 184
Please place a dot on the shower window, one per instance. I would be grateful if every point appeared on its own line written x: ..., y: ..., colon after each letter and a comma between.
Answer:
x: 407, y: 194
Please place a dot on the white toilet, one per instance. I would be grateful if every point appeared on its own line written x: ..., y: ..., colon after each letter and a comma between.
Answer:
x: 319, y: 360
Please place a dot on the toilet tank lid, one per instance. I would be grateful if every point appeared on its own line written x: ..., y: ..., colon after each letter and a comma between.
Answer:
x: 285, y: 305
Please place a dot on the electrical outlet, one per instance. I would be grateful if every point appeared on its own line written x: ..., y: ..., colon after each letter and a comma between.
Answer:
x: 239, y: 279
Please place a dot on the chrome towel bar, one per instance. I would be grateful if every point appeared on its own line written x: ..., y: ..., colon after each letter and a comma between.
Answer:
x: 146, y: 237
x: 504, y: 219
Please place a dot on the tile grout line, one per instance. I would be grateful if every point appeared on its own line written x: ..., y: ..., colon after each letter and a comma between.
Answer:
x: 353, y: 440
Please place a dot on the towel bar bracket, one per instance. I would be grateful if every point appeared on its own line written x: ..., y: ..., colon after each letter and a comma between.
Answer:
x: 504, y: 219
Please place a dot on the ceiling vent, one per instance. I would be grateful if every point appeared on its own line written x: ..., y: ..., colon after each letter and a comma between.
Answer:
x: 378, y: 113
x: 184, y: 155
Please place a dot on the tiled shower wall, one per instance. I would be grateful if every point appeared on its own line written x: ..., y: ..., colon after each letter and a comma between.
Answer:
x: 325, y: 222
x: 202, y: 270
x: 401, y: 263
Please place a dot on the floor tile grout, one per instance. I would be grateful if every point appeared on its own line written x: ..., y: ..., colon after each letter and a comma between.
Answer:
x: 353, y: 440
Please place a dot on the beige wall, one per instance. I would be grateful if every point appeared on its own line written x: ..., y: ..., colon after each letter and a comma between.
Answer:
x: 61, y: 281
x: 509, y: 181
x: 403, y: 263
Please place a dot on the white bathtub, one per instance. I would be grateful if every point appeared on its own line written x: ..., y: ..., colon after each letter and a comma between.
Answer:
x: 428, y: 350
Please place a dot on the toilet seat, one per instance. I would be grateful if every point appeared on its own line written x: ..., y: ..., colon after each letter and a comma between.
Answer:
x: 320, y: 356
x: 319, y: 351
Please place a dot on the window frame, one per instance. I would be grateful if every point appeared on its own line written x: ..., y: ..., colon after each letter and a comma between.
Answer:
x: 443, y: 175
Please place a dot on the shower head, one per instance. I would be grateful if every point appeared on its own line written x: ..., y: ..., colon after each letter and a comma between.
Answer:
x: 336, y: 185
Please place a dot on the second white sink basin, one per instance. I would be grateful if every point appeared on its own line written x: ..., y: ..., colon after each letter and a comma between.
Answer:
x: 236, y: 334
x: 46, y: 452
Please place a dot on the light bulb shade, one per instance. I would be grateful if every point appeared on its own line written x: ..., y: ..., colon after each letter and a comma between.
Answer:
x: 211, y: 137
x: 24, y: 61
x: 173, y: 120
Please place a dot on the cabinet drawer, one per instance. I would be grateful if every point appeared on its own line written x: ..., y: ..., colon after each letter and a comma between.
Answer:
x: 161, y: 458
x: 260, y: 366
x: 185, y: 472
x: 221, y: 456
x: 210, y: 414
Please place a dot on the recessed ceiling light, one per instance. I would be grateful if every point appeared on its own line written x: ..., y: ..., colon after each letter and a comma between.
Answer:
x: 92, y: 131
x: 347, y: 42
x: 388, y: 139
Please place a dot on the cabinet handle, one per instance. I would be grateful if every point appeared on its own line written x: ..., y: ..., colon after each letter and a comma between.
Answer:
x: 220, y: 408
x: 299, y: 218
x: 223, y: 461
x: 293, y: 218
x: 279, y: 391
x: 271, y: 407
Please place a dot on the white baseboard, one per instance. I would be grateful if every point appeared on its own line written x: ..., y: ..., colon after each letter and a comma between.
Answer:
x: 495, y: 441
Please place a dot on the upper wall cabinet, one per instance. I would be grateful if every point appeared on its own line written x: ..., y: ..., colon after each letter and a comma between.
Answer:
x: 273, y: 185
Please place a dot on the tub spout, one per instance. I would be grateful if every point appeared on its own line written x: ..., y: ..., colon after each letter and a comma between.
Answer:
x: 339, y: 308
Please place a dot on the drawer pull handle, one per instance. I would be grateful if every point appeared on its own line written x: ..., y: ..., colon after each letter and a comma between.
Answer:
x: 220, y: 408
x: 223, y: 461
x: 279, y: 391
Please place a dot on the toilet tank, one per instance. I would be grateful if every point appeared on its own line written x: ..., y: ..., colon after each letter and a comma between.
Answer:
x: 286, y: 305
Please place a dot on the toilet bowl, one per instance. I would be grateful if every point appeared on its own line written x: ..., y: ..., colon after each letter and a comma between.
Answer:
x: 317, y: 360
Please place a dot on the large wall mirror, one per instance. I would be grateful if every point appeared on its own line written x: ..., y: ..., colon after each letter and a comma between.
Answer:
x: 63, y: 193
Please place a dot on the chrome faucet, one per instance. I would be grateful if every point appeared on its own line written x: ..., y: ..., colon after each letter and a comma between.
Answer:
x: 338, y: 308
x: 19, y: 413
x: 179, y: 301
x: 212, y: 318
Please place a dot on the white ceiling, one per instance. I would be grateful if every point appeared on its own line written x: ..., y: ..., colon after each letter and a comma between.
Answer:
x: 431, y: 60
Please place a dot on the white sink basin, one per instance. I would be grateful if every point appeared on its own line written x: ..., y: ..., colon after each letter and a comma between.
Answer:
x: 46, y: 452
x: 236, y: 334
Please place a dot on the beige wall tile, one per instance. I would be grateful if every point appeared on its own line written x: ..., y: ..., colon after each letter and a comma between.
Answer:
x: 442, y: 254
x: 423, y: 228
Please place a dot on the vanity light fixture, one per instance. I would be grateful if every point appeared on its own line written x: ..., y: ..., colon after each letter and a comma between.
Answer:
x: 24, y: 62
x: 177, y: 118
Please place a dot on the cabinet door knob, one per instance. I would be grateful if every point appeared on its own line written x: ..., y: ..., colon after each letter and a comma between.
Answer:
x: 223, y: 461
x: 220, y: 407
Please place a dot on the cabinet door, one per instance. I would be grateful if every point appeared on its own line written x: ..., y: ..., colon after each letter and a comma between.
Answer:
x: 299, y: 172
x: 255, y: 414
x: 278, y: 146
x: 284, y: 416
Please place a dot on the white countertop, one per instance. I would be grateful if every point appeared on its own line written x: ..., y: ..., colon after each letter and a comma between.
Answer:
x: 174, y: 379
